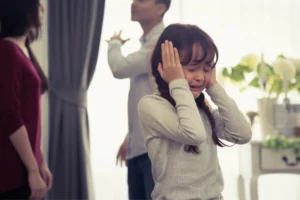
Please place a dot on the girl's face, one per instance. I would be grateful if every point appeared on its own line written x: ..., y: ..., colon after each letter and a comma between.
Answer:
x: 197, y: 72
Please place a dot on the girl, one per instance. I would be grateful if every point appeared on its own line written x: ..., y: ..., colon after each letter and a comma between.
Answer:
x: 24, y: 173
x: 181, y: 133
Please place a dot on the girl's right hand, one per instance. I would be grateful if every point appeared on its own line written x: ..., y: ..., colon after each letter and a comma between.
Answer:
x: 171, y: 68
x: 37, y: 185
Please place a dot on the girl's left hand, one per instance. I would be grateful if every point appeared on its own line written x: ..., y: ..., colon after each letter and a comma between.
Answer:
x: 213, y: 80
x: 46, y: 175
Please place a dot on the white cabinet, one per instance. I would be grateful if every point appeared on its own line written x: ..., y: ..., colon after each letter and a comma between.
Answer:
x: 256, y: 161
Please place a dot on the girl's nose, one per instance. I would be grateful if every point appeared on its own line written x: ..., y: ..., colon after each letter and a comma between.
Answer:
x: 199, y: 76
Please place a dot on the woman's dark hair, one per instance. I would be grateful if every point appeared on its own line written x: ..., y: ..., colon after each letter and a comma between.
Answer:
x: 18, y: 18
x: 184, y: 37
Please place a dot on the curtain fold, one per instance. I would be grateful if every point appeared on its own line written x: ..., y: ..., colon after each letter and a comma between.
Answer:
x: 74, y: 36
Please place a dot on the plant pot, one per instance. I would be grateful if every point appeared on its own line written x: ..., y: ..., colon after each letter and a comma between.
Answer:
x: 286, y: 119
x: 265, y: 113
x: 296, y: 132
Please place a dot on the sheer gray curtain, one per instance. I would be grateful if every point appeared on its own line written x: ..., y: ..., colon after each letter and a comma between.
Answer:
x: 74, y: 36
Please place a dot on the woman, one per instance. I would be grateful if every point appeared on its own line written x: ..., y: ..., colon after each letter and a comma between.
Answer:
x: 23, y: 170
x: 181, y: 133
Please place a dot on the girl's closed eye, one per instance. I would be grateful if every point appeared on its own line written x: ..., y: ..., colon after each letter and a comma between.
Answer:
x: 191, y: 69
x: 207, y: 69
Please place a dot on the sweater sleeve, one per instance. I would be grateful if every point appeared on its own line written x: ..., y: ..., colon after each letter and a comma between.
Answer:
x: 134, y: 64
x: 182, y: 124
x: 10, y: 89
x: 231, y: 124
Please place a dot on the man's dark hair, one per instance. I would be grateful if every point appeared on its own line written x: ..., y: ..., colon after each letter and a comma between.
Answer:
x: 167, y: 3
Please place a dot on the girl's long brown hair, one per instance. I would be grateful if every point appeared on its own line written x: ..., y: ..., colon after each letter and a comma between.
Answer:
x: 184, y: 37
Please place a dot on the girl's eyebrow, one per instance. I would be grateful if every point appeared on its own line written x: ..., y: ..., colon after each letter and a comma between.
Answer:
x: 209, y: 62
x: 199, y: 60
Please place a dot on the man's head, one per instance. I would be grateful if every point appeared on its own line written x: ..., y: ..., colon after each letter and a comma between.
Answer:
x: 144, y: 11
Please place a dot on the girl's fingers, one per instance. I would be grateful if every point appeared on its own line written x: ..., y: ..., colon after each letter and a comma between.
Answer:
x: 167, y: 55
x: 163, y: 54
x: 177, y: 59
x: 172, y: 57
x: 160, y: 70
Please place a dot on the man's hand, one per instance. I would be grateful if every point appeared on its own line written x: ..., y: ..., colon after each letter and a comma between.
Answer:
x: 122, y: 153
x: 118, y: 37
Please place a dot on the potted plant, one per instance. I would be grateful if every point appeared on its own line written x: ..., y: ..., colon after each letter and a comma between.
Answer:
x: 280, y: 142
x: 253, y: 72
x: 270, y: 79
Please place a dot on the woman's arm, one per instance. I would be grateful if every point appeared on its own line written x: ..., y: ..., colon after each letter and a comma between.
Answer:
x: 11, y: 121
x: 21, y: 143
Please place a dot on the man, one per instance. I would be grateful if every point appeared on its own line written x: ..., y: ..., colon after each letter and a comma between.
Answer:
x: 149, y: 13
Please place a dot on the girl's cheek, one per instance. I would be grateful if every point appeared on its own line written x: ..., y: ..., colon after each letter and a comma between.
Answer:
x: 207, y: 77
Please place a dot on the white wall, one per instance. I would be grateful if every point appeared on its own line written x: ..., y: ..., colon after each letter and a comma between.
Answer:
x: 40, y: 49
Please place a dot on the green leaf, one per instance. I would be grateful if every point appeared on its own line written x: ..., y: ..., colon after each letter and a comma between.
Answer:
x: 279, y: 142
x: 242, y: 89
x: 275, y: 84
x: 237, y: 74
x: 298, y: 77
x: 296, y: 84
x: 277, y: 87
x: 254, y: 82
x: 225, y: 72
x: 269, y: 70
x: 243, y: 68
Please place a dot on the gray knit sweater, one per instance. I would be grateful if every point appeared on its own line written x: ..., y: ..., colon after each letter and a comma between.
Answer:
x: 179, y: 175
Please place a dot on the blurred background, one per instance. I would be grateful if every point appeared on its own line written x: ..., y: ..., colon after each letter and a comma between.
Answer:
x: 238, y: 27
